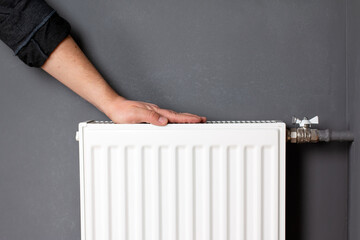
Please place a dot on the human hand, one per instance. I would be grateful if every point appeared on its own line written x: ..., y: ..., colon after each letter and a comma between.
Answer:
x: 127, y: 111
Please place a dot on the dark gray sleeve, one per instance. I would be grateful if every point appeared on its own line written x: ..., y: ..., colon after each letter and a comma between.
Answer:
x: 32, y: 29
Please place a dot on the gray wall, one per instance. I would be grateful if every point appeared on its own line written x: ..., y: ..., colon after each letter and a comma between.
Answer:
x: 353, y: 70
x: 226, y: 60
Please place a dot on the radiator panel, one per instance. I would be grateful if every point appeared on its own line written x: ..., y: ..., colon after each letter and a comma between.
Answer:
x: 220, y: 181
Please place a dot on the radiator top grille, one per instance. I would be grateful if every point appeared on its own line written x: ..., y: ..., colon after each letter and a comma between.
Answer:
x: 208, y: 122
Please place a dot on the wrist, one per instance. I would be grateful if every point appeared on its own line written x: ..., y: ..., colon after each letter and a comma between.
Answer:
x: 112, y: 105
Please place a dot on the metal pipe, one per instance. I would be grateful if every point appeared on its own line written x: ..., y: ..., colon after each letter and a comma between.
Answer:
x: 328, y: 135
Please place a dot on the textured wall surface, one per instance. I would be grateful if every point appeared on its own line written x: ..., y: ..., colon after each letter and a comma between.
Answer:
x: 227, y: 60
x: 353, y: 75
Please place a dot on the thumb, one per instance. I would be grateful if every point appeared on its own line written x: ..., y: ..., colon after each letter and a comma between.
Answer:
x: 152, y: 117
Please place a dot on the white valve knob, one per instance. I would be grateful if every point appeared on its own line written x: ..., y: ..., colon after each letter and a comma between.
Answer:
x: 305, y: 122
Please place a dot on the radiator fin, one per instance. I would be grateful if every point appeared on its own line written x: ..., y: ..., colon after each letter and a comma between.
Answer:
x: 182, y: 192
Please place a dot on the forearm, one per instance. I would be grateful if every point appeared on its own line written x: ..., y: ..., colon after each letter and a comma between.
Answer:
x: 70, y: 66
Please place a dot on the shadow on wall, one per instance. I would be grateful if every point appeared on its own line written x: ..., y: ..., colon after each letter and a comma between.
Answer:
x: 309, y: 178
x: 294, y: 171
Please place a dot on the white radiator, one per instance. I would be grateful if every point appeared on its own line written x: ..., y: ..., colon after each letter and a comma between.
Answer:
x: 213, y: 181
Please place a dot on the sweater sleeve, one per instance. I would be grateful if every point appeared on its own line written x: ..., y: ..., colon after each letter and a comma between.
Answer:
x: 32, y: 29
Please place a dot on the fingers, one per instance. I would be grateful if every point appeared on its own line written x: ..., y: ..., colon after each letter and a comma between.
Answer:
x: 175, y: 116
x: 203, y: 119
x: 180, y: 117
x: 190, y: 114
x: 150, y: 116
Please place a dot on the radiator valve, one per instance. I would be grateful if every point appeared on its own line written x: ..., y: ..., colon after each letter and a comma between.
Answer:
x: 303, y: 133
